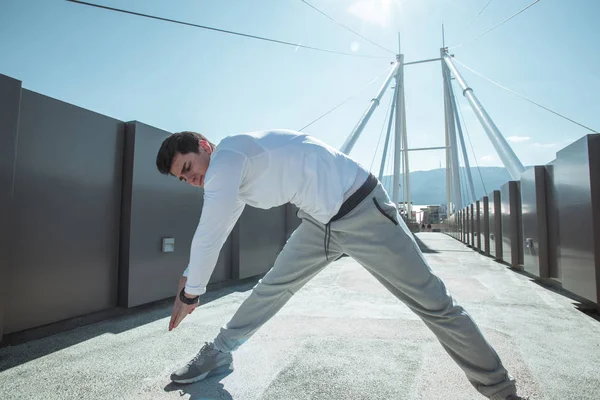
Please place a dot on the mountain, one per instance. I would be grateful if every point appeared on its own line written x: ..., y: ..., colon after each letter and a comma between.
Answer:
x: 429, y: 187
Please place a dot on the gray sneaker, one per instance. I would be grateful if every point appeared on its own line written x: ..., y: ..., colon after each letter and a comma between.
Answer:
x: 208, y: 362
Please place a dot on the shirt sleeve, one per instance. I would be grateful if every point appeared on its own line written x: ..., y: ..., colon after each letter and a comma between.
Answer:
x: 220, y: 211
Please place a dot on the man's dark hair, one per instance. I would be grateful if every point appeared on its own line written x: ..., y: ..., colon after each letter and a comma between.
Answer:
x: 182, y: 142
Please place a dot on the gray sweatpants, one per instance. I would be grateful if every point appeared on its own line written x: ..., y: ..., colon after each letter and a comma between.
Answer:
x: 375, y: 236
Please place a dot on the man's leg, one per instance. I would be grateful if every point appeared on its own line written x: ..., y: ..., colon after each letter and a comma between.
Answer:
x: 302, y: 258
x: 376, y: 237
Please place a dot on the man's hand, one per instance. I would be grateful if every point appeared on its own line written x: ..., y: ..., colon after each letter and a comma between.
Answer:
x: 180, y: 309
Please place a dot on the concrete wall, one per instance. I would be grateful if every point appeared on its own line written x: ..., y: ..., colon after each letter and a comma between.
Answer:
x: 594, y: 157
x: 478, y: 213
x: 256, y: 253
x: 511, y: 223
x: 485, y: 221
x: 576, y: 180
x: 552, y: 220
x: 10, y: 99
x: 84, y: 211
x: 67, y: 197
x: 534, y: 220
x: 465, y: 225
x: 548, y: 222
x: 495, y: 213
x: 472, y: 231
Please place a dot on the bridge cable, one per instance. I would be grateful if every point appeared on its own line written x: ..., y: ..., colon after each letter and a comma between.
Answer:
x: 221, y: 30
x: 390, y: 164
x: 345, y: 27
x: 464, y: 123
x: 494, y: 27
x: 347, y: 100
x: 385, y: 120
x: 480, y: 12
x: 525, y: 98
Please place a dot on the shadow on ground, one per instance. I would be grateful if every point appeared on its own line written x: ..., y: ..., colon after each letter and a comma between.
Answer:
x: 582, y: 305
x: 424, y: 248
x: 77, y: 330
x: 210, y: 388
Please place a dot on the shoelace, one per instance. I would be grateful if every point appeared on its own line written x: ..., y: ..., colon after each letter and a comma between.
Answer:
x: 206, y: 349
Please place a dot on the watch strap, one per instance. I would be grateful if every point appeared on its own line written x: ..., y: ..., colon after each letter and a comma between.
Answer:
x: 187, y: 300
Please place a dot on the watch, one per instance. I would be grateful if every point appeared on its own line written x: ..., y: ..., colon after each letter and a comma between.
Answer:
x: 187, y: 300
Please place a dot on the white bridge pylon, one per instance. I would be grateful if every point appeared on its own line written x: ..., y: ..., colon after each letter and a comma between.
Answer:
x: 453, y: 135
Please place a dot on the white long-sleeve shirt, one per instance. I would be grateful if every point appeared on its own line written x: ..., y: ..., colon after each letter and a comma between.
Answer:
x: 266, y: 169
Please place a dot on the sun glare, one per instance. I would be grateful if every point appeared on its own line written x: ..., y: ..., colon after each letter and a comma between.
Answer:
x: 374, y: 11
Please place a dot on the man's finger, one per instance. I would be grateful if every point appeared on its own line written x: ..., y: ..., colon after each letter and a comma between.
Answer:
x: 180, y: 316
x: 171, y: 322
x: 173, y: 317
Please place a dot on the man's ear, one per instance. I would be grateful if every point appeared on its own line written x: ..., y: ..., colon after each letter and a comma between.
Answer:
x: 205, y: 145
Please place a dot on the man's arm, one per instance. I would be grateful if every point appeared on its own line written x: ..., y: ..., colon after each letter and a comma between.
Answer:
x: 220, y: 211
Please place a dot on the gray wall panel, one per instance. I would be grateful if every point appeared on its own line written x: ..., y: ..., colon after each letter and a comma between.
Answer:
x: 594, y: 154
x: 471, y: 220
x: 511, y: 223
x: 465, y: 229
x: 553, y: 223
x: 262, y: 234
x: 67, y: 211
x: 572, y: 182
x: 495, y: 212
x: 478, y: 216
x: 461, y: 225
x: 535, y: 230
x: 506, y: 222
x: 468, y: 225
x: 456, y: 223
x: 157, y: 206
x: 10, y: 98
x: 473, y: 233
x: 485, y: 235
x: 463, y: 222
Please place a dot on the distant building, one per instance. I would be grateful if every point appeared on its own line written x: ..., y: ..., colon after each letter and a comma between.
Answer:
x: 433, y: 214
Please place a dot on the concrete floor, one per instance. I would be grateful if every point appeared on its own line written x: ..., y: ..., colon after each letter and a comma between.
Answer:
x: 343, y: 336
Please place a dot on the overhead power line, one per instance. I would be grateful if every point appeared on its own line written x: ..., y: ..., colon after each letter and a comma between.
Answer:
x: 525, y: 98
x: 347, y: 100
x: 221, y: 30
x: 345, y: 27
x: 494, y: 27
x: 480, y: 12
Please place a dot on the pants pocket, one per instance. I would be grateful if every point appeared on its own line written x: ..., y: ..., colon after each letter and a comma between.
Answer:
x: 383, y: 212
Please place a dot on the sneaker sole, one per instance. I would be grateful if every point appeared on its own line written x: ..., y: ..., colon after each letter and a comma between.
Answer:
x: 216, y: 371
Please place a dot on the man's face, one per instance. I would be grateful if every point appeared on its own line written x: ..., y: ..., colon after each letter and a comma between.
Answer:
x: 192, y: 167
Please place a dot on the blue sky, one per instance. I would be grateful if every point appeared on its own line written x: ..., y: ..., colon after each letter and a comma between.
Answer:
x: 181, y: 78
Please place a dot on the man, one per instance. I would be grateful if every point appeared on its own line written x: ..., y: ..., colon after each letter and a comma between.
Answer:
x: 344, y: 209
